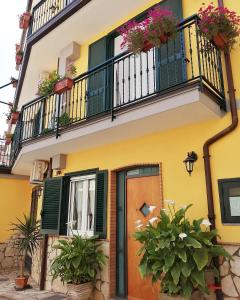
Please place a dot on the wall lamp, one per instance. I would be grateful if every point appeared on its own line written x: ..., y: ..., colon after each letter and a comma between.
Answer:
x: 189, y: 161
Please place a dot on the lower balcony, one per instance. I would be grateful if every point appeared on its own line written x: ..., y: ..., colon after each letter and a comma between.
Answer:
x: 128, y: 96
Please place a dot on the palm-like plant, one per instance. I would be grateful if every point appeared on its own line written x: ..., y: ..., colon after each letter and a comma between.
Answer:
x: 29, y: 237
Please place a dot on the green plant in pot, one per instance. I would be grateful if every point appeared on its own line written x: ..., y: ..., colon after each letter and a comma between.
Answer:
x: 46, y: 86
x: 64, y: 119
x: 220, y: 25
x: 77, y: 265
x: 27, y: 241
x: 178, y: 253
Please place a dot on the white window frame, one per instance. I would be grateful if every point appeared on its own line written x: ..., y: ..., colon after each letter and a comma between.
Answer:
x: 84, y: 231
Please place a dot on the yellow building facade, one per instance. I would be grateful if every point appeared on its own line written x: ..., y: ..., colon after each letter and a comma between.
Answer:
x: 121, y: 148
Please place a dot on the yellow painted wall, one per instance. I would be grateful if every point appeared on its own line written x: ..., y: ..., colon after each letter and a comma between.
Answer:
x: 15, y: 200
x: 170, y: 148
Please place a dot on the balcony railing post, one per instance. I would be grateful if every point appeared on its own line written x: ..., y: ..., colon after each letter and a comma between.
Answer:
x: 198, y: 53
x: 58, y: 98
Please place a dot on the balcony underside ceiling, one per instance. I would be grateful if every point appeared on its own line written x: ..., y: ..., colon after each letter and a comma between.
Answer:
x: 94, y: 18
x: 174, y: 110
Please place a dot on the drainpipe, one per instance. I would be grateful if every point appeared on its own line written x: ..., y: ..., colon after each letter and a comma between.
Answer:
x: 45, y: 245
x: 206, y: 148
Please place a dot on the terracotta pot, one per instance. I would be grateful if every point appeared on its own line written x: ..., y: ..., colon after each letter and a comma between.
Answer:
x: 79, y: 291
x: 63, y: 85
x: 14, y: 117
x: 147, y: 46
x: 8, y: 140
x: 164, y: 38
x: 21, y: 282
x: 19, y: 59
x: 24, y: 20
x: 221, y: 41
x: 14, y: 84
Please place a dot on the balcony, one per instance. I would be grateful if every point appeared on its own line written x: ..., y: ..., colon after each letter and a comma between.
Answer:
x: 127, y: 96
x: 5, y: 154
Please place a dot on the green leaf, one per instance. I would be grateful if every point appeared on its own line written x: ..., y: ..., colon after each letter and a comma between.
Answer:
x: 200, y: 257
x: 143, y: 269
x: 198, y: 276
x: 169, y: 260
x: 186, y: 269
x: 175, y: 272
x: 193, y: 243
x: 182, y: 254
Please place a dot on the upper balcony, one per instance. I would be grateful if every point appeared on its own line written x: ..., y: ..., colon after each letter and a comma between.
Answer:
x: 129, y: 95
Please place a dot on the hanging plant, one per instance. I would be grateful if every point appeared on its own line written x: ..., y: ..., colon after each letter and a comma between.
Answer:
x: 8, y: 138
x: 14, y: 116
x: 220, y: 25
x: 159, y: 26
x: 24, y: 20
x: 19, y: 57
x: 14, y: 81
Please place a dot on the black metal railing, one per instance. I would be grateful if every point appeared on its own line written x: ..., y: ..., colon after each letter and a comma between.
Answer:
x: 5, y: 151
x: 125, y: 80
x: 44, y: 11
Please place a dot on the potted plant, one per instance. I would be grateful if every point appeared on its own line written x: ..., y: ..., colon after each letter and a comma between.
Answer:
x: 46, y: 86
x: 14, y: 116
x: 134, y: 37
x: 19, y: 57
x: 219, y: 25
x: 27, y: 241
x: 66, y: 83
x: 24, y: 20
x: 77, y: 265
x: 159, y: 26
x: 8, y: 138
x: 14, y: 81
x: 178, y: 252
x: 64, y: 119
x: 17, y: 47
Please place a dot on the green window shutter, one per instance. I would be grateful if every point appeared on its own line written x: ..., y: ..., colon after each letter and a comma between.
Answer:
x: 100, y: 224
x: 97, y: 99
x: 171, y: 67
x: 51, y: 207
x: 64, y: 205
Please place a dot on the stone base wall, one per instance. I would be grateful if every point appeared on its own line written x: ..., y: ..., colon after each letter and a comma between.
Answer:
x: 9, y: 254
x: 230, y: 273
x: 101, y: 290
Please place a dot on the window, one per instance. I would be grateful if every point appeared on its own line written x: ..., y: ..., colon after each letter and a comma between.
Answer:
x: 79, y: 198
x: 229, y: 192
x: 82, y: 205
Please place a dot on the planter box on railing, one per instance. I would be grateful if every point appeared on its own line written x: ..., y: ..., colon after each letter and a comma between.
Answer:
x: 19, y: 58
x: 14, y: 117
x: 24, y: 20
x: 220, y: 40
x: 63, y: 85
x: 8, y: 140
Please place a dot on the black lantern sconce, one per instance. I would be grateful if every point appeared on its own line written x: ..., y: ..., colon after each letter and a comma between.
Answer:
x: 189, y: 161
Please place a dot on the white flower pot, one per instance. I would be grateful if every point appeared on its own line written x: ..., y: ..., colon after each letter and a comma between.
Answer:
x: 79, y: 291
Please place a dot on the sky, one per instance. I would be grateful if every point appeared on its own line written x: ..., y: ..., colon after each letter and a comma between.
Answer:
x: 10, y: 34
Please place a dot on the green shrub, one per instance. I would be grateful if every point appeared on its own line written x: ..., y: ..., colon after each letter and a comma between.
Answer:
x: 79, y: 261
x: 46, y: 86
x: 178, y: 251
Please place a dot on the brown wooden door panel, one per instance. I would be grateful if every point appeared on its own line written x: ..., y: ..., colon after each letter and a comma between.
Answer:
x: 140, y: 190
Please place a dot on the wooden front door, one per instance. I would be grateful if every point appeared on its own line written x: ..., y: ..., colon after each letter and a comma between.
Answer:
x: 142, y: 192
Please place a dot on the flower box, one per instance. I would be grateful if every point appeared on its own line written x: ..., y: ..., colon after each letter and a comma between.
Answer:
x: 14, y: 117
x: 24, y: 20
x: 221, y: 41
x: 164, y: 38
x: 19, y: 58
x: 8, y: 139
x: 63, y: 85
x: 147, y: 46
